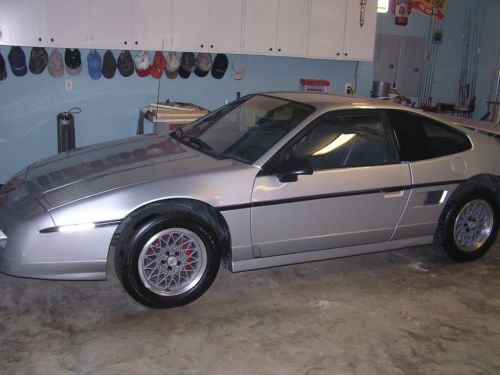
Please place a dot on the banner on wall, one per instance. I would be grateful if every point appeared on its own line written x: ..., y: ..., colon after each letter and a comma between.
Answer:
x: 403, y: 8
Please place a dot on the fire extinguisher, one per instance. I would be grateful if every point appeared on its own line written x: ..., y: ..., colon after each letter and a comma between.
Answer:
x: 66, y: 130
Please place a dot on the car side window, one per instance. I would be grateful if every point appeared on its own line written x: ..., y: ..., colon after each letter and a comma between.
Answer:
x: 421, y: 138
x: 343, y: 139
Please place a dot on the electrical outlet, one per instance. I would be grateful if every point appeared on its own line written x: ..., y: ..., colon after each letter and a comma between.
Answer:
x: 348, y: 89
x: 68, y: 84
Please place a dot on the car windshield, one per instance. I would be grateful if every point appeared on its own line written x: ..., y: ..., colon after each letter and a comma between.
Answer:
x: 245, y: 129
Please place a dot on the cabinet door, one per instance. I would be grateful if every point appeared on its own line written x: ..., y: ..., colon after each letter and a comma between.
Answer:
x: 292, y: 27
x: 110, y: 24
x: 190, y: 25
x: 66, y: 23
x: 151, y: 25
x: 20, y: 22
x: 260, y: 26
x: 224, y: 25
x: 359, y: 41
x: 326, y: 28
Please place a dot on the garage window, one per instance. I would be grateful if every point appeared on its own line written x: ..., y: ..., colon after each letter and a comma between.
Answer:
x: 421, y: 138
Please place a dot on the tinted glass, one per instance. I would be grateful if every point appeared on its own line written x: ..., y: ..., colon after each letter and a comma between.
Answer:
x: 246, y: 129
x: 421, y: 138
x: 343, y: 139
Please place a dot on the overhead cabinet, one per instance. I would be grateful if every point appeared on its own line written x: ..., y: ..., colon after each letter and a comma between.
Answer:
x: 328, y: 29
x: 279, y: 30
x: 207, y: 25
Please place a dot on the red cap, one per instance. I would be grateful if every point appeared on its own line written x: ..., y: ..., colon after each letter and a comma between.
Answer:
x: 159, y: 65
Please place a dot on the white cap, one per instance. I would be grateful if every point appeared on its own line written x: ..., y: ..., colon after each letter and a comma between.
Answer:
x: 239, y: 66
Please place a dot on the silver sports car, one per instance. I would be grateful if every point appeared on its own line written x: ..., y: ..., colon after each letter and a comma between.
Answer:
x: 268, y: 180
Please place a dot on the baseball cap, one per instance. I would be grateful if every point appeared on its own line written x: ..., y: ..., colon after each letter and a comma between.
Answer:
x: 17, y: 61
x: 108, y: 64
x: 39, y: 58
x: 159, y: 65
x: 73, y: 60
x: 203, y: 64
x: 239, y: 66
x: 94, y: 64
x: 56, y: 66
x: 125, y: 64
x: 219, y: 66
x: 3, y: 71
x: 187, y: 64
x: 173, y: 63
x: 142, y: 63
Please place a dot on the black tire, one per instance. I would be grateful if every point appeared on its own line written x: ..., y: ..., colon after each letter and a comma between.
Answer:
x: 445, y: 234
x: 142, y: 228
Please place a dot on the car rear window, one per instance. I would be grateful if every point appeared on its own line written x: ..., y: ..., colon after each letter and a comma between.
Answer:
x: 421, y: 138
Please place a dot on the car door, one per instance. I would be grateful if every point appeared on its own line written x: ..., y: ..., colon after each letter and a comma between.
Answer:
x: 355, y: 195
x: 438, y: 163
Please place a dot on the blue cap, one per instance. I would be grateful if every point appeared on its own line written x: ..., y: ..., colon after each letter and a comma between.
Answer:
x: 17, y: 61
x: 95, y: 64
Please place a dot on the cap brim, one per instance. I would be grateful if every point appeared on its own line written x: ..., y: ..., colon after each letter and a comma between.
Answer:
x: 20, y: 72
x: 75, y: 71
x: 56, y: 73
x: 218, y: 74
x: 95, y: 74
x: 155, y: 73
x: 143, y: 73
x: 108, y: 73
x: 200, y: 73
x: 184, y: 73
x: 126, y: 72
x: 172, y: 75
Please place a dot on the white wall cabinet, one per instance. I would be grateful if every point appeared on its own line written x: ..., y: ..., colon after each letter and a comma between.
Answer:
x: 359, y: 41
x: 260, y: 26
x: 328, y: 29
x: 151, y: 25
x: 70, y: 27
x: 110, y: 24
x: 20, y: 22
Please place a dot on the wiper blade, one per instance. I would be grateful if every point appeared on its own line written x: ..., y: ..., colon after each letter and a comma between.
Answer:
x: 198, y: 142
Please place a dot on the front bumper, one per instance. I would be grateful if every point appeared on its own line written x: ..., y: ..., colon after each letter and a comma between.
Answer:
x: 26, y: 252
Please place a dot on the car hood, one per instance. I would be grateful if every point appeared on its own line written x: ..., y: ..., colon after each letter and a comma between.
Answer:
x: 87, y: 171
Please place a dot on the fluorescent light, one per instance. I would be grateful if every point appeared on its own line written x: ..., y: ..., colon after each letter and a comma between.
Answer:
x: 76, y: 227
x: 336, y: 143
x: 383, y: 6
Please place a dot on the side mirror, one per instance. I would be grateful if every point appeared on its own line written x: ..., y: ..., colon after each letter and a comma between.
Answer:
x: 288, y: 170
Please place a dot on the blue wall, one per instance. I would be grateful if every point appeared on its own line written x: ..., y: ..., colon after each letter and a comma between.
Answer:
x: 29, y: 104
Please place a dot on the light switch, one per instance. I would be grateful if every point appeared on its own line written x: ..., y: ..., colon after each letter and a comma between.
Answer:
x: 68, y: 84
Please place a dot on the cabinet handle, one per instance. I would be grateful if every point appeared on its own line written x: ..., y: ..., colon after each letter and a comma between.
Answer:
x: 345, y: 54
x: 201, y: 45
x: 52, y: 39
x: 136, y: 42
x: 125, y: 42
x: 279, y: 49
x: 211, y: 46
x: 338, y: 53
x: 39, y: 39
x: 270, y: 49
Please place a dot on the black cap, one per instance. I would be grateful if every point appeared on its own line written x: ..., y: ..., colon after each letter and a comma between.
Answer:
x: 39, y: 58
x: 219, y: 66
x: 73, y: 61
x: 17, y: 61
x: 108, y: 64
x: 125, y: 64
x: 3, y: 71
x: 187, y: 64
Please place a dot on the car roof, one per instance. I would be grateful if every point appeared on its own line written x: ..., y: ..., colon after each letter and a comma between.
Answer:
x: 324, y: 100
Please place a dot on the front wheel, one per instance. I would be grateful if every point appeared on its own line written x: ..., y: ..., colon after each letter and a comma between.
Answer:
x: 168, y: 262
x: 469, y: 225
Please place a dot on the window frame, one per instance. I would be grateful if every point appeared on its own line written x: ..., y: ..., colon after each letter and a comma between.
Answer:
x: 268, y: 168
x: 433, y: 120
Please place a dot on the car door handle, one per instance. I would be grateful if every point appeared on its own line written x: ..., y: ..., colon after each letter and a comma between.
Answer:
x: 397, y: 194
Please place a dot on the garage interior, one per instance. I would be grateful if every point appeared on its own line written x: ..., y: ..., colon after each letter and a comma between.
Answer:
x: 407, y: 311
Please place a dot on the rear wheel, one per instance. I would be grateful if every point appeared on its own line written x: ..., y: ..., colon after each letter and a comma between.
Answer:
x: 469, y: 225
x: 167, y: 261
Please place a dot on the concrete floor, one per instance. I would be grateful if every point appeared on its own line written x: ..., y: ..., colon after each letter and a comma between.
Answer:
x: 408, y: 311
